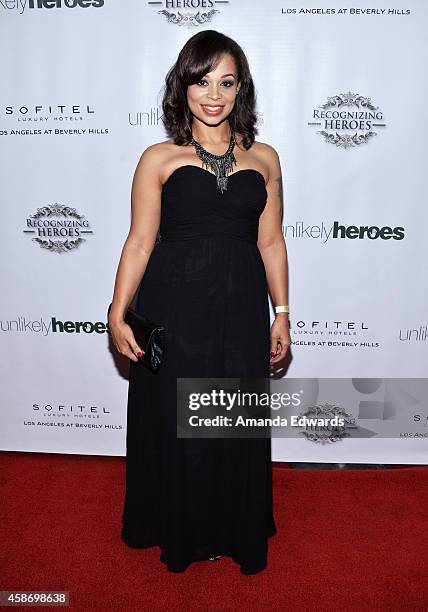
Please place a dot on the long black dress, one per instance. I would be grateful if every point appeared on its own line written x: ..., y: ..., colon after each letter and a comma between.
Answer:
x: 205, y: 282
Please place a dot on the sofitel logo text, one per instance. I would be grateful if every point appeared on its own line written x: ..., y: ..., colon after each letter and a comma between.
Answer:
x: 61, y: 113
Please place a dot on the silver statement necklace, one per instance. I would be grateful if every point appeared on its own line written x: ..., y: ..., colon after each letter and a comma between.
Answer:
x: 221, y: 165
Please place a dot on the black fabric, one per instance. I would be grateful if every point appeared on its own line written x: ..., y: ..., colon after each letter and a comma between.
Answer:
x: 205, y: 282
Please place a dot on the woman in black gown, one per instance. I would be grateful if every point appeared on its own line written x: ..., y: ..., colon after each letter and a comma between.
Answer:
x: 202, y: 254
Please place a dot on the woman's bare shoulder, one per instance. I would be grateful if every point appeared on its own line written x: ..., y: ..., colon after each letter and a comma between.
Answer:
x: 159, y: 149
x: 264, y: 149
x: 268, y: 156
x: 156, y: 156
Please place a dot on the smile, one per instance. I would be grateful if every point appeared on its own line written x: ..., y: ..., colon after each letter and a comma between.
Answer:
x: 211, y: 109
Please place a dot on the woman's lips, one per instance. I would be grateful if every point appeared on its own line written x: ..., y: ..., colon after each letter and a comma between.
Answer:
x: 211, y: 109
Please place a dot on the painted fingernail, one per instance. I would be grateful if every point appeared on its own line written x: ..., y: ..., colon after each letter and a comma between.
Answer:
x: 272, y: 354
x: 139, y: 353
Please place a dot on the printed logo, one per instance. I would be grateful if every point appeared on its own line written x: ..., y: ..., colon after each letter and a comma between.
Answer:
x: 324, y: 232
x: 332, y: 334
x: 49, y: 120
x: 150, y: 117
x: 76, y: 327
x: 324, y: 433
x: 419, y: 333
x: 41, y: 113
x: 21, y: 5
x: 58, y: 228
x: 39, y: 326
x: 347, y: 120
x: 190, y: 19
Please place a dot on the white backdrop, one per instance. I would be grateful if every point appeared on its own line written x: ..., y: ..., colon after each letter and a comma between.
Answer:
x: 80, y: 101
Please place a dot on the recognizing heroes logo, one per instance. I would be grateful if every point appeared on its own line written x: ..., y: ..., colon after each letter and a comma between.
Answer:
x: 347, y: 120
x: 58, y: 228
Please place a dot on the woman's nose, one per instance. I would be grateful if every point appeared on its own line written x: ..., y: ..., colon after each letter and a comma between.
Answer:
x: 214, y: 93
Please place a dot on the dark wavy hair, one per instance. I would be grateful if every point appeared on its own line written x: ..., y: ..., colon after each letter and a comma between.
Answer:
x: 199, y: 56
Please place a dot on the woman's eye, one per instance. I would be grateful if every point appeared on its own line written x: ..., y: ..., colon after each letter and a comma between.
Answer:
x: 227, y: 83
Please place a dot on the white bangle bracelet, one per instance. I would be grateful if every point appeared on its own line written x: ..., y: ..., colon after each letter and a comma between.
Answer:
x: 282, y: 309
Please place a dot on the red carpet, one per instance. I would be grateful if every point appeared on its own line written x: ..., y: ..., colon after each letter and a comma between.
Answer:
x: 347, y: 541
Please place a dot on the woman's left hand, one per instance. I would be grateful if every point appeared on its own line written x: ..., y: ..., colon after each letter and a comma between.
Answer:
x: 279, y: 338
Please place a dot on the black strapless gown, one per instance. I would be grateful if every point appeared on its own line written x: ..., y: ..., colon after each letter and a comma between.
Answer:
x: 205, y: 282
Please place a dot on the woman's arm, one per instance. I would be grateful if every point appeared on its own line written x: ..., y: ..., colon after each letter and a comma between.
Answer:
x: 273, y: 250
x: 145, y: 219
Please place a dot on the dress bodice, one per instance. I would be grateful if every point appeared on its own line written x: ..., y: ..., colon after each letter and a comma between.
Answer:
x: 192, y: 206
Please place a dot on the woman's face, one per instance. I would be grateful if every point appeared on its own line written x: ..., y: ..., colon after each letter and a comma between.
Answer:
x: 213, y: 97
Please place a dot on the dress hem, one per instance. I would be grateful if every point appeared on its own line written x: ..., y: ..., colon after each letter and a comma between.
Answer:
x: 180, y: 567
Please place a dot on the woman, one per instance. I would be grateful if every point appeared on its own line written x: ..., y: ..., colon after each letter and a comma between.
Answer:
x: 205, y: 276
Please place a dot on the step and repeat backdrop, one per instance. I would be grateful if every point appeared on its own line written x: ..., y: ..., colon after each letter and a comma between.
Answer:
x: 341, y: 94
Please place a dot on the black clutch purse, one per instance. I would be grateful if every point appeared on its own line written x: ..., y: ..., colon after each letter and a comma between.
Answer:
x: 149, y: 336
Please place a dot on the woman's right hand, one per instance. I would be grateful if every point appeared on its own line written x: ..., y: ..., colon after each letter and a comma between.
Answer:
x: 124, y: 340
